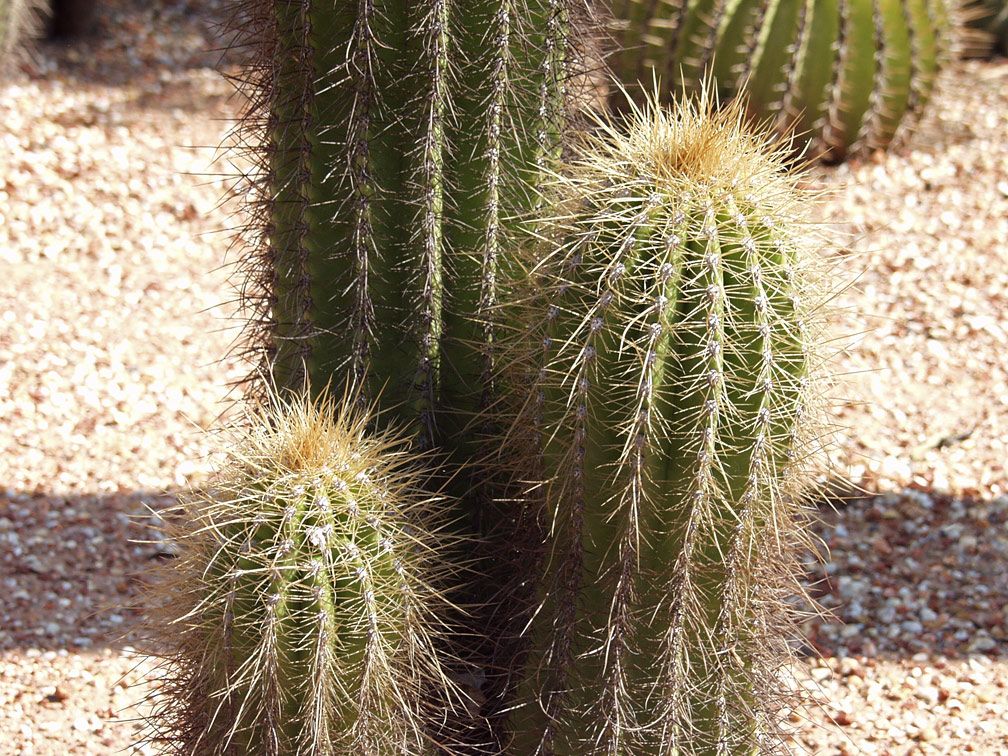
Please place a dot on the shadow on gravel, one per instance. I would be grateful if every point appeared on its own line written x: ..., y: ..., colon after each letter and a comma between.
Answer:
x: 154, y: 45
x: 910, y: 573
x: 71, y: 567
x: 904, y: 573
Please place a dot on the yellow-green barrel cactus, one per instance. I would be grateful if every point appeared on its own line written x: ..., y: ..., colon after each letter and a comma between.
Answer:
x: 303, y: 613
x: 841, y: 74
x: 669, y: 367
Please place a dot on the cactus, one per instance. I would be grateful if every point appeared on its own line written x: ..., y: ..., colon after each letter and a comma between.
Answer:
x: 18, y: 20
x: 71, y: 18
x: 302, y: 613
x: 396, y: 140
x: 841, y: 74
x: 669, y: 363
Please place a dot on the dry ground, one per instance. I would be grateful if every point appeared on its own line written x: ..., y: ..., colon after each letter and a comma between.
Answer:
x: 115, y: 315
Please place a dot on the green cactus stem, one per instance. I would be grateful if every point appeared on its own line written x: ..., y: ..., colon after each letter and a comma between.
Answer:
x: 669, y: 363
x: 303, y: 612
x: 397, y: 142
x: 842, y: 75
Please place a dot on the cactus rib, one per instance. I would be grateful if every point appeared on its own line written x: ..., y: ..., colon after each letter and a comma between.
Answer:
x: 883, y: 55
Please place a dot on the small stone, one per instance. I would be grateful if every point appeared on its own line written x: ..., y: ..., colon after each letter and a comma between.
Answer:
x: 988, y: 693
x: 927, y: 693
x: 982, y: 644
x: 821, y: 673
x: 843, y: 718
x: 912, y: 627
x: 850, y: 666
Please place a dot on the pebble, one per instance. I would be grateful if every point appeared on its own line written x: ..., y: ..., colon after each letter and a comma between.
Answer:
x: 927, y: 693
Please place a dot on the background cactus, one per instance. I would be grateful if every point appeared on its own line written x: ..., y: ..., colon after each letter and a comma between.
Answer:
x: 71, y: 18
x: 991, y: 17
x: 843, y: 74
x: 672, y: 323
x: 18, y: 20
x: 302, y: 613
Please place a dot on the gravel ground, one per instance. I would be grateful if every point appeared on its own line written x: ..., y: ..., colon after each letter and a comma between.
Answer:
x: 115, y: 310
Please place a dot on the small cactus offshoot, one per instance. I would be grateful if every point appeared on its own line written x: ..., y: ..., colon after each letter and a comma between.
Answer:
x: 302, y: 614
x: 668, y: 360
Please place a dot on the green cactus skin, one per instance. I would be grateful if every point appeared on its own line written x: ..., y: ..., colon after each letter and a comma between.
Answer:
x: 18, y: 21
x: 398, y: 141
x: 842, y: 75
x: 670, y: 367
x: 302, y: 613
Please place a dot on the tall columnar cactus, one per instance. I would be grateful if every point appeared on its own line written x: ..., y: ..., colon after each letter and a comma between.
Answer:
x: 668, y: 359
x: 302, y: 614
x: 843, y: 74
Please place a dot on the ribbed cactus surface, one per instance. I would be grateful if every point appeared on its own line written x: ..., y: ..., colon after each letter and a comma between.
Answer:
x: 399, y: 142
x: 668, y: 362
x: 302, y: 613
x: 842, y: 74
x: 398, y: 139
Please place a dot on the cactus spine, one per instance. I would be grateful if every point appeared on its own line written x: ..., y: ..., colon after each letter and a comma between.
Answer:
x: 671, y: 323
x: 303, y: 610
x: 18, y: 19
x: 842, y: 74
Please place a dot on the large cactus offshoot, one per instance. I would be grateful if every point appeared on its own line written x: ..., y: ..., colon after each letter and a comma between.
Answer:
x: 302, y: 613
x: 842, y: 74
x: 669, y: 364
